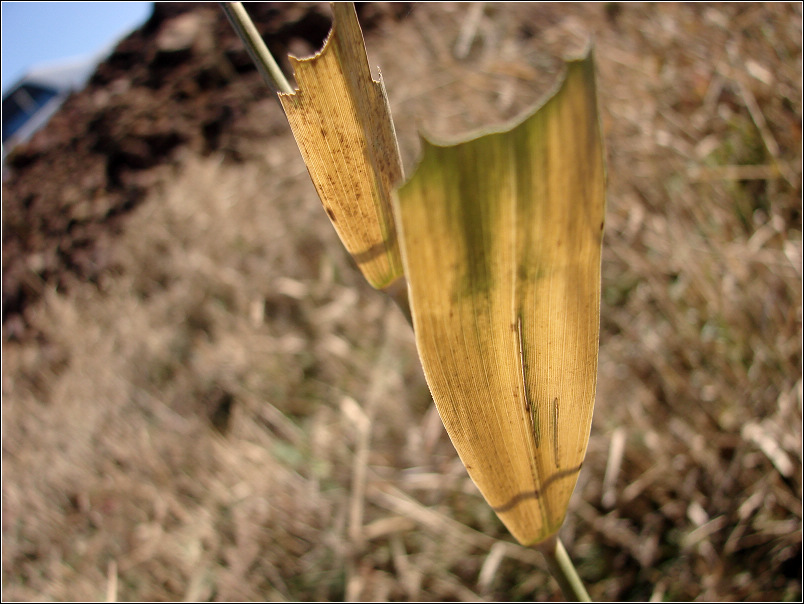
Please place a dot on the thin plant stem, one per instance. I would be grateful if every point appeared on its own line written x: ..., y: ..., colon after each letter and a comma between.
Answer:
x: 563, y: 570
x: 257, y: 50
x: 398, y: 292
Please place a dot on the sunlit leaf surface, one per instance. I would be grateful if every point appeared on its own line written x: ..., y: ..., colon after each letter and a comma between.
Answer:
x: 341, y: 121
x: 501, y: 240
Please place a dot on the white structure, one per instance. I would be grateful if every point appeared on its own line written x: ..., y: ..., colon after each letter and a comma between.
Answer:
x: 30, y: 102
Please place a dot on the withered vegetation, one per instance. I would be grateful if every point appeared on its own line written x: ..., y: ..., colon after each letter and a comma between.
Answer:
x: 203, y: 399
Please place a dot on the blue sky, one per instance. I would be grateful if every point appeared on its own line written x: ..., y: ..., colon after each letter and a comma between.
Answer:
x: 45, y: 32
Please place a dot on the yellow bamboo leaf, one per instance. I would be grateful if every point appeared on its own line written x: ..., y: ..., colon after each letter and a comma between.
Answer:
x: 342, y: 124
x: 501, y: 238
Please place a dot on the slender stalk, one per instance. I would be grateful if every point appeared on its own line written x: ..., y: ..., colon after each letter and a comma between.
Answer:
x: 563, y: 570
x: 257, y: 50
x: 398, y: 292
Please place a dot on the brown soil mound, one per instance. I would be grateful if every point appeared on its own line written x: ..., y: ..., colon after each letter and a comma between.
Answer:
x: 181, y: 84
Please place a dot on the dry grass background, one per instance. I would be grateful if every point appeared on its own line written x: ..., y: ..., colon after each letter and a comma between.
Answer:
x: 233, y: 414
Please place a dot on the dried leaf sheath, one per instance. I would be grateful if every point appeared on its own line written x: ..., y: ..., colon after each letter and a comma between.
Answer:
x: 509, y: 225
x: 342, y: 124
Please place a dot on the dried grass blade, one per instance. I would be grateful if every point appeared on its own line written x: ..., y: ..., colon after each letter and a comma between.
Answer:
x: 342, y: 124
x: 509, y: 225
